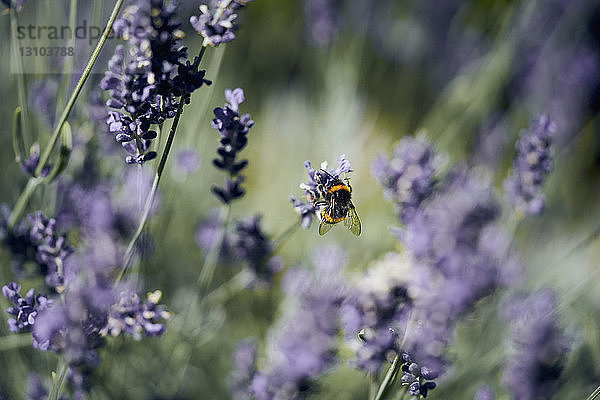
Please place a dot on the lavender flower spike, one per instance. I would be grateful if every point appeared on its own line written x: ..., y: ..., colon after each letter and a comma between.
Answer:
x: 539, y: 346
x: 532, y: 164
x: 217, y: 24
x: 408, y: 177
x: 25, y: 309
x: 234, y: 129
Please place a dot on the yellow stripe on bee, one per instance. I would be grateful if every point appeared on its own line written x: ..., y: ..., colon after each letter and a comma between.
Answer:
x: 329, y: 219
x: 338, y: 187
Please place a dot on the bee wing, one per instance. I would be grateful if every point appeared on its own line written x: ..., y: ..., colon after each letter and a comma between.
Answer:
x: 324, y: 227
x: 352, y: 222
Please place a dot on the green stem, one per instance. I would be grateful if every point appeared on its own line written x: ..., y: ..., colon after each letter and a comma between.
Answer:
x: 594, y: 394
x: 227, y: 290
x: 25, y: 195
x: 127, y: 259
x: 210, y: 263
x: 11, y: 342
x: 285, y: 235
x: 14, y: 22
x: 388, y: 381
x: 21, y: 203
x: 59, y: 381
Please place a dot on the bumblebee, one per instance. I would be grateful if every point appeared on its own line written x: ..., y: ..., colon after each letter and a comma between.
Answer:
x: 335, y: 195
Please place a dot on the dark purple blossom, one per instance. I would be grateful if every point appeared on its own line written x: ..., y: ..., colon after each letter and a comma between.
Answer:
x: 18, y: 4
x: 24, y: 309
x: 136, y: 318
x: 30, y: 165
x: 250, y: 244
x: 217, y: 24
x: 417, y: 378
x: 37, y: 241
x: 531, y: 166
x: 408, y: 178
x: 539, y: 346
x: 234, y: 129
x: 146, y: 85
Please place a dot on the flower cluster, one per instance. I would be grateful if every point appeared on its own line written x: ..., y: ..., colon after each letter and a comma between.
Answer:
x: 314, y: 189
x: 375, y: 313
x: 539, y: 346
x: 244, y: 360
x: 408, y: 178
x: 234, y: 129
x: 417, y: 378
x: 305, y: 339
x: 217, y: 24
x: 24, y: 309
x: 37, y: 241
x: 462, y: 257
x: 137, y: 318
x: 531, y: 165
x: 249, y: 243
x: 144, y: 89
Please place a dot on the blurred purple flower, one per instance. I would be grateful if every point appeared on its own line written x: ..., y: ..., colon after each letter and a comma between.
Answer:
x: 30, y: 165
x: 408, y: 177
x: 132, y: 316
x: 304, y: 340
x: 307, y: 211
x: 531, y: 166
x: 24, y: 309
x: 188, y: 161
x: 322, y: 20
x: 250, y: 244
x: 42, y: 95
x: 234, y: 129
x: 37, y: 240
x: 462, y: 256
x: 244, y: 361
x: 18, y: 4
x: 217, y: 24
x: 484, y: 393
x: 375, y: 312
x: 539, y: 346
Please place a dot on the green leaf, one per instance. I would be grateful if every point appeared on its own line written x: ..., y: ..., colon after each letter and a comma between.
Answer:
x: 17, y: 135
x: 66, y: 147
x: 389, y: 379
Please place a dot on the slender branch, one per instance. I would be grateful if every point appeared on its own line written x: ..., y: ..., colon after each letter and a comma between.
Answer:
x: 14, y: 22
x: 285, y: 235
x: 388, y: 381
x: 594, y: 394
x: 210, y: 263
x: 25, y: 195
x: 59, y: 381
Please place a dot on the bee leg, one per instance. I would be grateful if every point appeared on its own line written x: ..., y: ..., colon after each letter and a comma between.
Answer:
x: 320, y: 202
x: 347, y: 181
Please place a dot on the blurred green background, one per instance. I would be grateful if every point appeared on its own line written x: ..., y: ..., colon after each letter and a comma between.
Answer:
x: 459, y: 72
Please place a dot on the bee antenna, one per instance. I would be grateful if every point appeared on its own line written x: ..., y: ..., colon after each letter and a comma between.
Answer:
x: 327, y: 173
